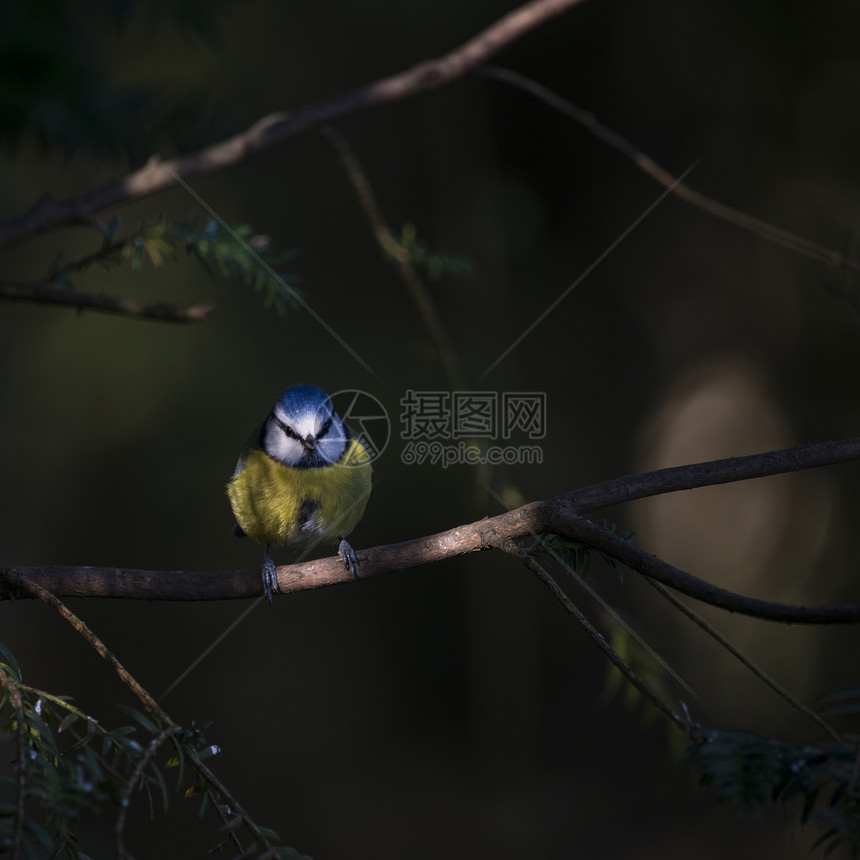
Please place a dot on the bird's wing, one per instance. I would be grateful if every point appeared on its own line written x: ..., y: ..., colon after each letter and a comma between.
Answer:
x: 252, y: 443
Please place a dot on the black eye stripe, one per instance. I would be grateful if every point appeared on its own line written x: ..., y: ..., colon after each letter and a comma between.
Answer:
x: 286, y: 428
x: 288, y: 431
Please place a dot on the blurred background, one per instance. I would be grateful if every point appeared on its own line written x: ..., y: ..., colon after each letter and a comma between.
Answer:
x: 453, y: 710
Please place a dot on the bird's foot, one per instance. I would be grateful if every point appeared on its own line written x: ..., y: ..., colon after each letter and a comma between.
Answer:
x: 270, y: 579
x: 347, y: 553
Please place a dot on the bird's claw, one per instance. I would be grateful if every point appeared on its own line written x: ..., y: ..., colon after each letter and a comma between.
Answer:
x: 347, y: 553
x: 270, y: 578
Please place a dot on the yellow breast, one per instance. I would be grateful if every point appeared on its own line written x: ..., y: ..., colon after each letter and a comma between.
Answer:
x: 277, y: 504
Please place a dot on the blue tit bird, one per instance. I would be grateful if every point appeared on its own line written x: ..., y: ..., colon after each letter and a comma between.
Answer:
x: 304, y: 478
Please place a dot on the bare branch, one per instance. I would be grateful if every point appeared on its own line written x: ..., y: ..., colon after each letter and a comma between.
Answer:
x: 37, y: 590
x: 561, y: 515
x: 162, y: 311
x: 727, y: 471
x: 647, y: 164
x: 202, y: 771
x: 763, y: 676
x: 508, y: 546
x: 401, y: 260
x: 586, y: 532
x: 156, y: 174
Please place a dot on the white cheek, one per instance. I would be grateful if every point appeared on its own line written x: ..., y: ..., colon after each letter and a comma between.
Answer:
x: 330, y: 449
x: 281, y: 447
x: 332, y: 445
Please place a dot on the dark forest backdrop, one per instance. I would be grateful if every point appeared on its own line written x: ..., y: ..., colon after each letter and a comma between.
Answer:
x: 452, y: 710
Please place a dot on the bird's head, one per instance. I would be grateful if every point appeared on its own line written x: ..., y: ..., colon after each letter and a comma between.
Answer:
x: 303, y: 430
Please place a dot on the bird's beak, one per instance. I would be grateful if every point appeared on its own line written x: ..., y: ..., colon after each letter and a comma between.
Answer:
x: 310, y: 442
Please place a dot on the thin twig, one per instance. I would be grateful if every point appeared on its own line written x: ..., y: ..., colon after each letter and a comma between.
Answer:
x: 130, y: 784
x: 402, y: 261
x: 665, y: 178
x: 156, y: 175
x: 547, y: 547
x: 508, y: 546
x: 101, y: 649
x: 737, y: 653
x: 161, y: 311
x: 146, y: 699
x: 227, y: 796
x: 400, y: 258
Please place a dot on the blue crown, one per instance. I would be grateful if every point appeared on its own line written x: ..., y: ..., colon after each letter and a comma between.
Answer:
x: 305, y: 398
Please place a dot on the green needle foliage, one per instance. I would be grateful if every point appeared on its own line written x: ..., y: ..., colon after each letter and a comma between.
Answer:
x: 753, y: 772
x: 231, y: 252
x: 66, y: 764
x: 236, y: 253
x: 435, y: 264
x: 822, y: 781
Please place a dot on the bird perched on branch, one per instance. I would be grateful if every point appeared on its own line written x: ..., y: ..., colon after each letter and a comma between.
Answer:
x: 303, y: 479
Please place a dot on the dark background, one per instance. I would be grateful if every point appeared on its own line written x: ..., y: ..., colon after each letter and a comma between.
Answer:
x: 455, y: 710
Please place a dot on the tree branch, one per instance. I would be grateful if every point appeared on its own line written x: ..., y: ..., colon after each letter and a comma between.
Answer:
x: 162, y: 311
x: 508, y: 546
x: 156, y: 174
x: 35, y: 589
x: 712, y: 472
x: 561, y: 515
x: 586, y: 532
x: 647, y: 165
x: 202, y: 771
x: 401, y: 259
x: 745, y: 661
